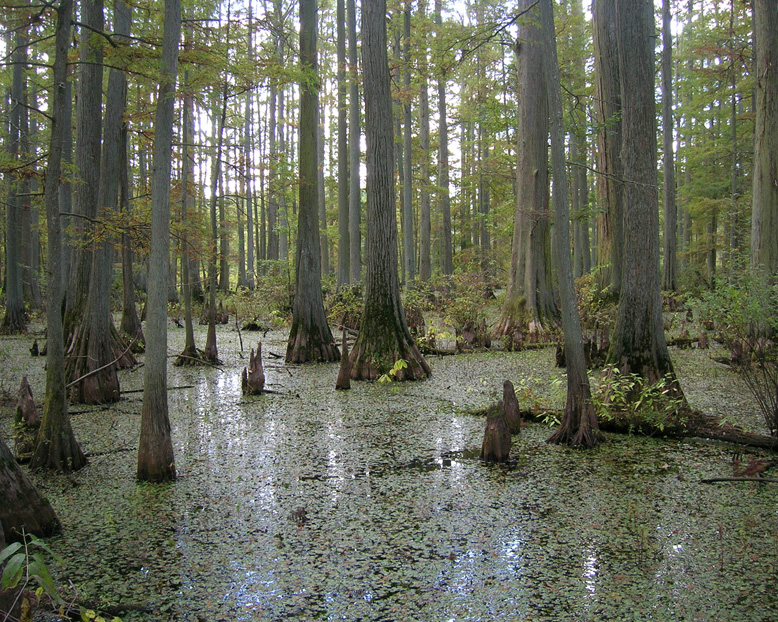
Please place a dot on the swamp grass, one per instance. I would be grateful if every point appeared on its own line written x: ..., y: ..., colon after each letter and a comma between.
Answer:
x: 371, y: 504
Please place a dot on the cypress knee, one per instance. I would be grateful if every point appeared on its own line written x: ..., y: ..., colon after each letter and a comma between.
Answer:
x: 511, y: 405
x: 344, y: 373
x: 254, y: 378
x: 497, y: 437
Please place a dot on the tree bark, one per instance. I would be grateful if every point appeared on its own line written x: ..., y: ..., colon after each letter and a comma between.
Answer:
x: 579, y: 426
x: 529, y: 299
x: 344, y: 245
x: 409, y: 256
x: 22, y: 508
x: 764, y: 217
x: 425, y: 224
x: 310, y: 338
x: 638, y: 342
x: 669, y: 279
x: 609, y: 119
x: 15, y: 317
x: 354, y: 139
x: 89, y: 126
x: 384, y: 337
x: 56, y: 446
x: 444, y: 197
x: 155, y: 450
x: 92, y: 353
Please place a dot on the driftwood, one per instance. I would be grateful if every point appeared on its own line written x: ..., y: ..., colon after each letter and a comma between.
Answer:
x: 511, y: 406
x: 253, y: 380
x: 344, y: 373
x: 497, y: 437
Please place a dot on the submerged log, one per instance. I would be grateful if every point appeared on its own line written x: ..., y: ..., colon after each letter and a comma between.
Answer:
x: 511, y: 406
x: 344, y: 373
x: 253, y: 380
x: 497, y: 437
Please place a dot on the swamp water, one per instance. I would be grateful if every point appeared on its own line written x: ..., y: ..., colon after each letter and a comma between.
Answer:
x: 371, y: 504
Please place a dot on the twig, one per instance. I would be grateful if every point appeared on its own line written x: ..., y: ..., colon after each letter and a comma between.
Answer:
x: 99, y: 369
x: 764, y: 480
x: 183, y: 386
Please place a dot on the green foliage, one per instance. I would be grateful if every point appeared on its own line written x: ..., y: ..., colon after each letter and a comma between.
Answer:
x: 276, y: 285
x: 637, y: 405
x: 744, y: 315
x: 466, y: 303
x: 24, y: 564
x: 344, y: 306
x: 391, y: 375
x: 594, y: 306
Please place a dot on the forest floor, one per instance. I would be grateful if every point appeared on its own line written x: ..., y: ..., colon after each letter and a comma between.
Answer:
x: 372, y: 504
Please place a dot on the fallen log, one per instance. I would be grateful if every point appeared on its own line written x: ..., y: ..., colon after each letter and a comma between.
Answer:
x: 761, y: 480
x: 696, y: 425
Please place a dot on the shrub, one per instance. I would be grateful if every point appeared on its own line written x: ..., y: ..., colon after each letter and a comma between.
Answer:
x: 744, y: 316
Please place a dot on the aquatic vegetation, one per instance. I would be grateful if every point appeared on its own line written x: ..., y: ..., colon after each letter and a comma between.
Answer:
x: 372, y: 504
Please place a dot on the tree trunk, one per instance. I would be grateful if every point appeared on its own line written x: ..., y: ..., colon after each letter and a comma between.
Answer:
x: 384, y: 337
x: 444, y: 197
x: 529, y: 301
x: 669, y: 279
x: 579, y: 426
x: 89, y: 126
x: 764, y: 218
x: 354, y: 139
x: 189, y: 355
x: 22, y: 508
x: 344, y: 246
x: 638, y: 342
x: 92, y: 352
x: 609, y: 119
x: 409, y: 257
x: 130, y: 324
x: 15, y: 320
x: 56, y: 446
x: 425, y: 225
x: 310, y: 338
x: 155, y: 449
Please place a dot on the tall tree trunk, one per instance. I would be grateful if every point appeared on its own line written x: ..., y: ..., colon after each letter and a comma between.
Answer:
x: 409, y: 257
x: 529, y: 300
x: 384, y: 337
x: 669, y: 271
x: 94, y: 348
x: 130, y: 324
x: 211, y: 353
x: 444, y: 197
x: 189, y: 355
x: 155, y: 450
x: 579, y: 426
x: 638, y: 344
x: 354, y: 140
x: 30, y: 241
x: 608, y: 98
x: 310, y: 338
x: 425, y: 224
x: 89, y: 127
x: 344, y: 245
x: 15, y: 320
x: 764, y: 217
x: 56, y: 446
x: 321, y: 199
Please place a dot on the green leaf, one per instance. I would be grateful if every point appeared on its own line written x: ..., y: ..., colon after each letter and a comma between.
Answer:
x: 13, y: 571
x: 9, y: 550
